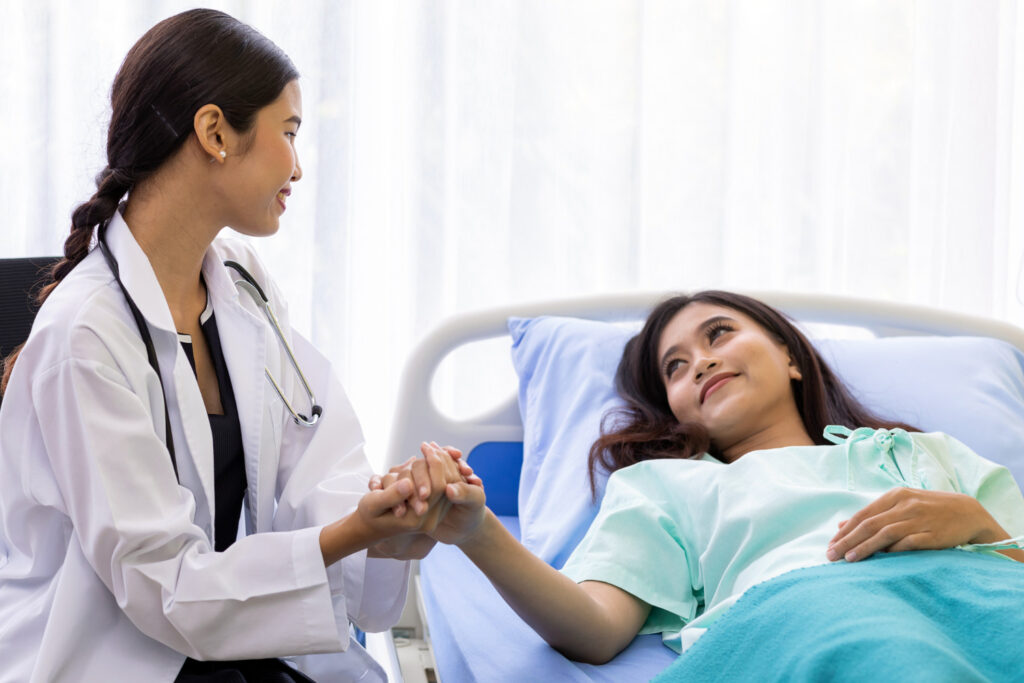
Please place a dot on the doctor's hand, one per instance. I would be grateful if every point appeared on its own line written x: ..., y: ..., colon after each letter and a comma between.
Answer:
x: 913, y: 519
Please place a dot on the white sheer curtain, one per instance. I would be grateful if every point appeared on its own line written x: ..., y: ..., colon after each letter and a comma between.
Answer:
x: 462, y: 154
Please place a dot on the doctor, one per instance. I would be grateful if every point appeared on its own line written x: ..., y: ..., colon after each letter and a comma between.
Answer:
x: 139, y: 423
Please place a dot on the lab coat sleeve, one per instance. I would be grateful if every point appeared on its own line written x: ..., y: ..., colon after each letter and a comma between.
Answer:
x: 323, y: 473
x: 262, y: 597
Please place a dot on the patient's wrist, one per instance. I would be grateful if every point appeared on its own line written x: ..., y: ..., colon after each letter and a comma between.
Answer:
x: 477, y: 540
x: 989, y: 530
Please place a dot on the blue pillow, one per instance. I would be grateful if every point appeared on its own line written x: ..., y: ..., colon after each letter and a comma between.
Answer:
x: 969, y: 387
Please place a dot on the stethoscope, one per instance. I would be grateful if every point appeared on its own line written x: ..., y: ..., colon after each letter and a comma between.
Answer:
x: 247, y: 283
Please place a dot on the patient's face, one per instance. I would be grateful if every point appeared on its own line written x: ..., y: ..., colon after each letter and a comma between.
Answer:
x: 724, y: 371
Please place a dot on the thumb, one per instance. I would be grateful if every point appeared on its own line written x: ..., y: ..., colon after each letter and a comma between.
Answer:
x: 379, y: 502
x: 463, y: 493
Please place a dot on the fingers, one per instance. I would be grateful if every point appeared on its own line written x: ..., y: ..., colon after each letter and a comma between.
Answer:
x: 421, y: 480
x: 454, y: 466
x: 380, y: 502
x: 872, y: 509
x: 451, y: 450
x: 378, y: 482
x: 876, y: 535
x: 428, y: 477
x: 436, y: 460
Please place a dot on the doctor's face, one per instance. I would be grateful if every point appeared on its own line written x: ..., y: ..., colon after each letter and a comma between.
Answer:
x: 265, y: 166
x: 724, y: 371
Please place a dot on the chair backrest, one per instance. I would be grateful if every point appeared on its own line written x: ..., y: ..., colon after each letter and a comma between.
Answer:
x: 19, y: 282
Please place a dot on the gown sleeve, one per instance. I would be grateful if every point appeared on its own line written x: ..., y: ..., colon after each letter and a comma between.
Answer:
x: 638, y: 543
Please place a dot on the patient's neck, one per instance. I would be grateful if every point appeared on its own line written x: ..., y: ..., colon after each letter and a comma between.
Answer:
x: 779, y: 434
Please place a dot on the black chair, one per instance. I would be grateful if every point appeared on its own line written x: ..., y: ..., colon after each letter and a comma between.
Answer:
x: 19, y: 282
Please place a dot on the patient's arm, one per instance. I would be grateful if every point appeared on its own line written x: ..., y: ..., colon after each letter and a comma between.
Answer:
x: 590, y: 621
x: 913, y: 519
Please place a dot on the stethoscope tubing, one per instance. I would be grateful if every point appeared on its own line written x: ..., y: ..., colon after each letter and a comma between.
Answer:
x: 249, y: 284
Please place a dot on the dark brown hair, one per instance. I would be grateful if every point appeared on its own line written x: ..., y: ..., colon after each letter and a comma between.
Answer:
x: 189, y: 60
x: 646, y: 429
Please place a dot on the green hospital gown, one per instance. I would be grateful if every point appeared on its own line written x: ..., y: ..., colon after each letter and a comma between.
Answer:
x: 690, y: 536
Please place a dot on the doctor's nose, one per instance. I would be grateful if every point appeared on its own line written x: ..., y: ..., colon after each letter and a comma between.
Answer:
x: 703, y: 368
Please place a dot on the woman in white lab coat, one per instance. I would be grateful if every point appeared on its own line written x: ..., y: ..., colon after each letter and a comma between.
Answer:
x: 118, y: 558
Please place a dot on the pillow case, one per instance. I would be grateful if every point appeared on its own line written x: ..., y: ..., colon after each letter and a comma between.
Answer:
x: 969, y: 387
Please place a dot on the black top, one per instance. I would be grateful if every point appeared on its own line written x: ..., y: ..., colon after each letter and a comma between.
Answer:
x: 228, y: 458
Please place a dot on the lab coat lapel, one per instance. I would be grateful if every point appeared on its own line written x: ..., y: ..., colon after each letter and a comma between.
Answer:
x: 243, y: 336
x: 195, y: 459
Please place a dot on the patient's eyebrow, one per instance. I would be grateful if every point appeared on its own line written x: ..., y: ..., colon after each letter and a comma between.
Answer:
x: 297, y: 120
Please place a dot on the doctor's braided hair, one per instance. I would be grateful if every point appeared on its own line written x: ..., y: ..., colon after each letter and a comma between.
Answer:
x: 646, y: 429
x: 186, y: 61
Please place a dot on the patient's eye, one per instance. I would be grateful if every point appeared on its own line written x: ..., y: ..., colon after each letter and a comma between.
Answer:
x: 671, y: 366
x: 717, y: 330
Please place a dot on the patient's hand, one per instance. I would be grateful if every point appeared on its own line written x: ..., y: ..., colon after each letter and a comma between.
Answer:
x: 913, y: 519
x: 465, y: 515
x: 464, y: 520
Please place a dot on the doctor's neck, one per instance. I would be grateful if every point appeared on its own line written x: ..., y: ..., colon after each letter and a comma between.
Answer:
x: 174, y: 219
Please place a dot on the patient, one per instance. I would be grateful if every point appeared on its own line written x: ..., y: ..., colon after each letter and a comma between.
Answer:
x: 743, y: 467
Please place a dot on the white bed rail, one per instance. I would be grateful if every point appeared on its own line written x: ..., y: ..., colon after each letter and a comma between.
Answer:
x: 418, y: 416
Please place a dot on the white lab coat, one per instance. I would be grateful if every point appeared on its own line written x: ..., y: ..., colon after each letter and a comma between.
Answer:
x: 107, y: 567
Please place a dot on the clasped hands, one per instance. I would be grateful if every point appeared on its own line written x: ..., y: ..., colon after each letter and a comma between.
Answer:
x: 423, y: 500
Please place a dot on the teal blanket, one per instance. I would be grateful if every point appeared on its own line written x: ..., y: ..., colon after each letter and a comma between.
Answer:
x: 945, y: 615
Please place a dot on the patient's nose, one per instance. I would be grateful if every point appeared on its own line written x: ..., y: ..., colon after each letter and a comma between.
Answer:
x: 703, y: 368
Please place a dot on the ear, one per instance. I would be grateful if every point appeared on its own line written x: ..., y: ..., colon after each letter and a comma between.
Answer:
x: 213, y: 132
x: 794, y: 371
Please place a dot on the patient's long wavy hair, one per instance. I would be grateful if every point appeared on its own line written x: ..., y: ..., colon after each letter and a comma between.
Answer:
x: 646, y: 429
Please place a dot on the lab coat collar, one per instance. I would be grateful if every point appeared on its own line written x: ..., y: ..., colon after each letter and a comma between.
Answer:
x: 137, y: 274
x: 244, y: 340
x: 218, y: 277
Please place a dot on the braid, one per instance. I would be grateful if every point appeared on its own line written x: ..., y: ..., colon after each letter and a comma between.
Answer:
x: 111, y: 186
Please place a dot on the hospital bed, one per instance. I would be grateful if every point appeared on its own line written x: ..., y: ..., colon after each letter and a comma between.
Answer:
x: 936, y: 370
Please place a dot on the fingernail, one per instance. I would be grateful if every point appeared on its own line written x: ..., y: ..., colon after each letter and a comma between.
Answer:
x: 424, y: 491
x: 832, y: 554
x: 851, y: 556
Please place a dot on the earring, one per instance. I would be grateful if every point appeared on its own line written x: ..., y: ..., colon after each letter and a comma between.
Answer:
x: 223, y: 154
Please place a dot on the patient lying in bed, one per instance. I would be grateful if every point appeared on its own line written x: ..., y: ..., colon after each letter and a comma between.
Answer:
x: 730, y: 482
